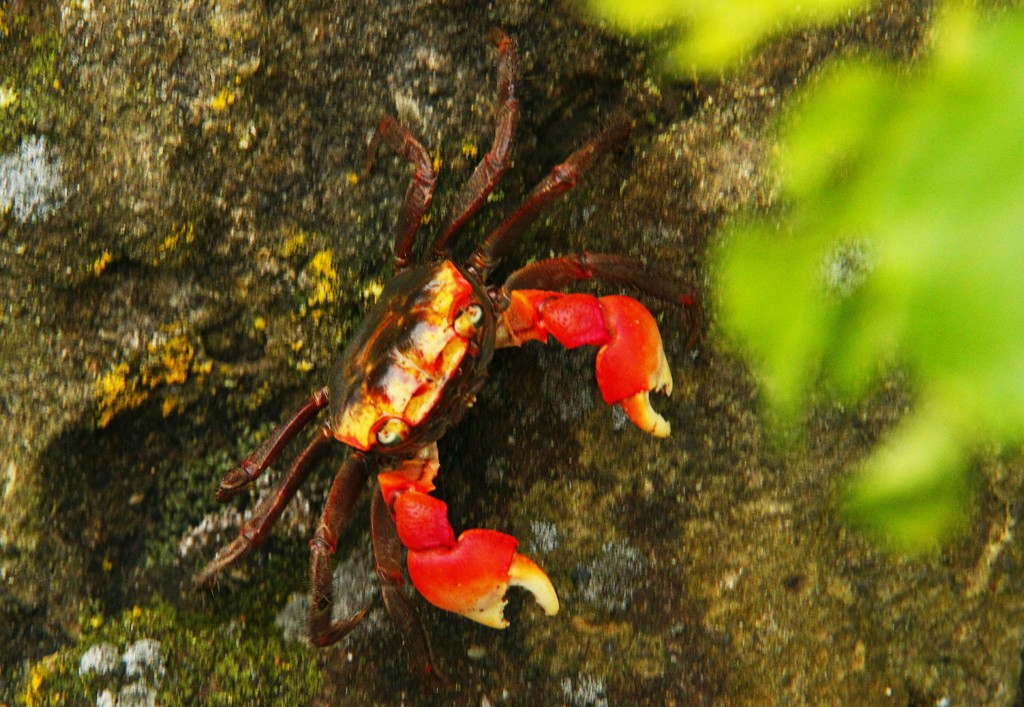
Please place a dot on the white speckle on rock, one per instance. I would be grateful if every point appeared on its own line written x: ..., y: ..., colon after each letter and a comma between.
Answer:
x: 143, y: 659
x: 102, y: 658
x: 584, y: 691
x: 545, y: 536
x: 31, y: 185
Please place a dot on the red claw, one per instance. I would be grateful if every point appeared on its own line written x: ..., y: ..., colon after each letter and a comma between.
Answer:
x: 630, y: 361
x: 469, y: 575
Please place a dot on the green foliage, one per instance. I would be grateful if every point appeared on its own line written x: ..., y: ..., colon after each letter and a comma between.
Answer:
x: 710, y: 34
x: 902, y: 241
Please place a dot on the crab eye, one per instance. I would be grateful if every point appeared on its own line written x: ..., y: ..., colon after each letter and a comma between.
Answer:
x: 393, y: 432
x: 469, y: 319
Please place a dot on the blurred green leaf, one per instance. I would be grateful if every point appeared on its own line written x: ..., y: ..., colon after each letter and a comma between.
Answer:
x: 711, y: 35
x: 902, y: 241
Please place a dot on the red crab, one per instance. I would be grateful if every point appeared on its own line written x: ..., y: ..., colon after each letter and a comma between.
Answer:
x: 415, y: 365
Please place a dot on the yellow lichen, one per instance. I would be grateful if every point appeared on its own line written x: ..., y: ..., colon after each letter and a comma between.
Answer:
x: 373, y: 290
x: 222, y: 100
x: 8, y: 97
x: 171, y: 404
x: 353, y: 178
x: 115, y: 392
x: 294, y: 245
x: 172, y: 240
x: 469, y: 149
x: 37, y: 675
x: 259, y: 324
x: 323, y: 278
x: 101, y: 263
x: 169, y: 360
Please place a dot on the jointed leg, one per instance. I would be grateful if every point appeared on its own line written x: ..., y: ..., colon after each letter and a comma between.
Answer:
x: 421, y: 188
x: 268, y: 512
x: 387, y: 553
x: 239, y: 478
x: 562, y: 178
x: 495, y: 163
x: 348, y: 483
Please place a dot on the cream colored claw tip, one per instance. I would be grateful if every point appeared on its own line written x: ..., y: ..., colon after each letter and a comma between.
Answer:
x: 638, y: 408
x: 525, y: 573
x: 662, y: 379
x: 491, y: 614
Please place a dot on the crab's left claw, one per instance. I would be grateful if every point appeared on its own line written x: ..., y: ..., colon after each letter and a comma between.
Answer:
x: 632, y: 363
x: 468, y: 575
x: 630, y: 358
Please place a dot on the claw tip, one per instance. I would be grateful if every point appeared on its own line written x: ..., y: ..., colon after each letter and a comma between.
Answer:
x: 638, y: 408
x: 525, y: 573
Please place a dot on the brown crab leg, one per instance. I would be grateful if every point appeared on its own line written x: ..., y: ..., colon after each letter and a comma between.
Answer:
x: 496, y: 162
x: 421, y: 188
x: 239, y: 478
x: 252, y: 533
x: 348, y: 483
x: 561, y: 179
x: 387, y: 553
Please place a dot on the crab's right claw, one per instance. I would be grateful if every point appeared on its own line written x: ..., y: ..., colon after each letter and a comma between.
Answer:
x: 469, y: 575
x: 632, y: 363
x: 472, y: 577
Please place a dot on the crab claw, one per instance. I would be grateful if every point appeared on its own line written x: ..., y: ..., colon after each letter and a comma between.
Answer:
x: 472, y: 577
x: 630, y: 358
x: 633, y: 363
x: 469, y: 575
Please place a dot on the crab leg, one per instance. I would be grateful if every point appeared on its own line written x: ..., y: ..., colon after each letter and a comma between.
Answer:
x: 563, y: 177
x: 496, y: 162
x: 468, y: 575
x: 630, y: 361
x: 348, y: 482
x: 421, y: 188
x: 239, y: 478
x: 254, y: 532
x: 387, y: 553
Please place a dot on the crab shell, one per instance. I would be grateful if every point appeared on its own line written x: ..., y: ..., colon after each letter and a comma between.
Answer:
x: 416, y: 362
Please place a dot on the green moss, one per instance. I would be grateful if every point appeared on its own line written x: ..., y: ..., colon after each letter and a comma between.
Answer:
x: 30, y: 70
x: 202, y: 653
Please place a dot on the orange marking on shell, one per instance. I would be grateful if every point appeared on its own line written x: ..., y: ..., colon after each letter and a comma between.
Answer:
x: 419, y: 367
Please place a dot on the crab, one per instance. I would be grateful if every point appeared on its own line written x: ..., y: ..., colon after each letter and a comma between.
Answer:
x: 415, y: 365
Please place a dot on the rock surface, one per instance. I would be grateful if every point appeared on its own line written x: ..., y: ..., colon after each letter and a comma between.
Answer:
x: 188, y: 239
